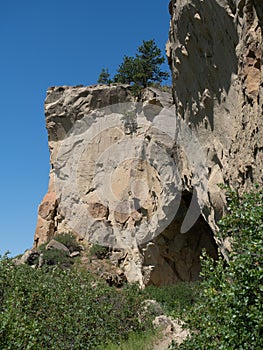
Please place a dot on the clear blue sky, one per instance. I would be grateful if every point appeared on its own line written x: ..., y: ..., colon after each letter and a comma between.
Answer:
x: 48, y: 43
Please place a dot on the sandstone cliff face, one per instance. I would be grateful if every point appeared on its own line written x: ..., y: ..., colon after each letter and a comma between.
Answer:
x: 142, y: 177
x: 115, y: 181
x: 64, y: 106
x: 215, y: 54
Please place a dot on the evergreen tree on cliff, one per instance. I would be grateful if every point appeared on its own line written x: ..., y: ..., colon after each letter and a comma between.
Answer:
x: 104, y: 77
x: 126, y: 71
x: 144, y: 69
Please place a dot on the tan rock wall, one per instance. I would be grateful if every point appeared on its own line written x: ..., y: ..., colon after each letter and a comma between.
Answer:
x: 114, y: 180
x: 169, y: 159
x: 215, y: 54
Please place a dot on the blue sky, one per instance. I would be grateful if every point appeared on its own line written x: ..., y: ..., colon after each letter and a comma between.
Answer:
x: 48, y: 43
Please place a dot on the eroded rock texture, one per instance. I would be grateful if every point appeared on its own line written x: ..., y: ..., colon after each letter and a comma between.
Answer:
x: 215, y: 54
x: 143, y: 177
x: 115, y: 181
x: 64, y: 106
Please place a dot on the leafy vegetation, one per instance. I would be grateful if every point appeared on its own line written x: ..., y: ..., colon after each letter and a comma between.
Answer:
x: 55, y: 257
x: 136, y: 341
x: 229, y: 311
x: 127, y: 71
x: 58, y: 308
x: 174, y: 299
x: 61, y: 258
x: 101, y: 252
x: 63, y: 309
x: 69, y: 240
x: 140, y: 71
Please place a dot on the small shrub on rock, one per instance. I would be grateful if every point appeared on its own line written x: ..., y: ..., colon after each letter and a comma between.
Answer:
x: 69, y: 240
x: 99, y: 251
x: 56, y: 257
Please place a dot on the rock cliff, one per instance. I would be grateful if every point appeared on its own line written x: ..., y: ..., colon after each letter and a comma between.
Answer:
x: 115, y: 180
x: 142, y: 177
x: 215, y: 54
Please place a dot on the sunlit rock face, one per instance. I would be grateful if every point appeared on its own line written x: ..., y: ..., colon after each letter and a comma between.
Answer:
x: 115, y: 180
x: 142, y: 176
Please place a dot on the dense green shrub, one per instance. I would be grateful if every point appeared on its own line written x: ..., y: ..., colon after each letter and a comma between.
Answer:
x: 69, y: 240
x: 137, y: 341
x: 61, y: 258
x: 100, y: 251
x: 229, y: 313
x: 143, y: 69
x: 56, y: 257
x: 174, y: 299
x: 104, y: 77
x: 62, y: 309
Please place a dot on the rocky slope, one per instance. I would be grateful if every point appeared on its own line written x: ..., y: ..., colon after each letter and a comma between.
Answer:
x: 141, y: 177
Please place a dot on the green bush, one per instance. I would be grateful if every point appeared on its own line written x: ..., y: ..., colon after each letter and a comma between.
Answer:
x: 101, y: 252
x: 229, y: 312
x: 140, y: 71
x: 143, y: 69
x: 63, y: 309
x: 137, y: 341
x: 69, y: 240
x: 174, y: 299
x: 104, y: 77
x: 56, y: 257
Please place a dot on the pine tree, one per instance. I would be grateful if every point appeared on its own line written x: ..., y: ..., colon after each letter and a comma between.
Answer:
x: 104, y: 77
x: 144, y: 69
x: 126, y: 71
x: 150, y: 59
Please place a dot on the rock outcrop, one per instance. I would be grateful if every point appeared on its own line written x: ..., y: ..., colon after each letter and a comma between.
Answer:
x: 215, y: 54
x: 115, y: 180
x: 142, y: 177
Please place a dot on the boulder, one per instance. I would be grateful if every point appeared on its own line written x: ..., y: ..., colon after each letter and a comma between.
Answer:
x: 172, y: 331
x: 53, y: 244
x: 30, y: 257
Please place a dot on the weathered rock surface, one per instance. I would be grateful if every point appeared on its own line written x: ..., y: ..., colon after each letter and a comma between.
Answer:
x: 114, y: 180
x: 172, y: 331
x: 53, y: 244
x: 215, y: 54
x: 136, y: 176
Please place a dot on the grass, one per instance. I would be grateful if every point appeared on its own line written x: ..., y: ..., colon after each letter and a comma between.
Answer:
x: 142, y: 341
x: 174, y: 299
